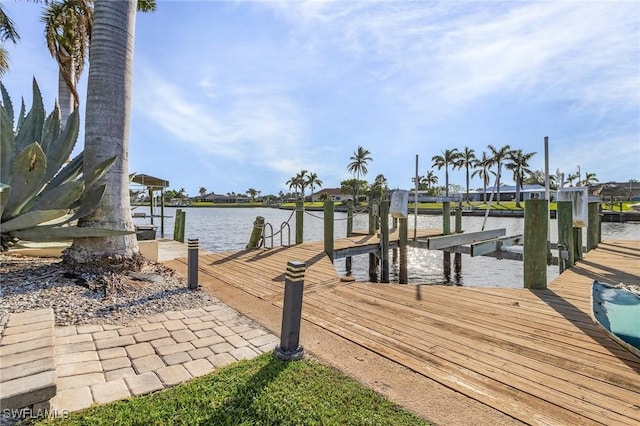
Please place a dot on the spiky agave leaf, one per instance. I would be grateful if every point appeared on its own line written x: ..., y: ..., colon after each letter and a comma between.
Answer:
x: 69, y: 172
x: 31, y: 129
x: 50, y: 130
x: 89, y: 202
x: 6, y: 103
x: 31, y: 219
x: 94, y: 175
x: 59, y: 197
x: 62, y: 146
x: 28, y: 169
x: 7, y: 145
x: 5, y: 192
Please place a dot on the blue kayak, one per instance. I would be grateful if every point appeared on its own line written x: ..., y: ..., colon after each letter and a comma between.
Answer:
x: 617, y: 311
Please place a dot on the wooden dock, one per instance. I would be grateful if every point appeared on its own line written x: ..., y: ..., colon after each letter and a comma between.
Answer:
x: 535, y: 355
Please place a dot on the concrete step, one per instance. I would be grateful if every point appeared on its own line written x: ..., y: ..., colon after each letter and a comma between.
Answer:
x: 27, y: 365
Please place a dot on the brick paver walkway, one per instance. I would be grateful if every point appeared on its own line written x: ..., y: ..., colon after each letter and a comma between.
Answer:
x: 105, y: 363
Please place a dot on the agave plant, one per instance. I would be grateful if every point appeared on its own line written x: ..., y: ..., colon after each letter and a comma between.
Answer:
x: 41, y: 197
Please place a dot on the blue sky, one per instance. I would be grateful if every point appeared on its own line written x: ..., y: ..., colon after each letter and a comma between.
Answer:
x: 233, y: 95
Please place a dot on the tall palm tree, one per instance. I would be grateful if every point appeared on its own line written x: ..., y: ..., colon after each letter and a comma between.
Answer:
x: 518, y: 162
x: 429, y: 179
x: 312, y: 182
x: 498, y: 155
x: 449, y: 157
x: 467, y: 160
x: 107, y: 125
x: 570, y: 178
x: 68, y: 25
x: 358, y: 165
x: 7, y: 32
x: 483, y: 171
x: 202, y: 191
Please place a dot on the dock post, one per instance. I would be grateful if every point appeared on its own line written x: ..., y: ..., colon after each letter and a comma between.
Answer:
x: 403, y: 230
x: 384, y: 241
x: 564, y: 214
x: 536, y: 220
x: 161, y: 213
x: 577, y: 240
x: 176, y: 225
x: 256, y: 233
x: 373, y: 263
x: 593, y: 226
x: 446, y: 217
x: 458, y: 224
x: 349, y: 218
x: 183, y: 225
x: 192, y: 263
x: 289, y: 348
x: 299, y: 222
x: 328, y: 229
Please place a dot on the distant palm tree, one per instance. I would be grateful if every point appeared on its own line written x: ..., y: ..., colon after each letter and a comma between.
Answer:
x: 498, y: 155
x: 252, y: 193
x: 483, y: 171
x: 202, y: 191
x: 312, y: 182
x: 358, y: 165
x: 7, y: 32
x: 570, y: 178
x: 519, y: 164
x: 379, y: 187
x: 429, y: 179
x: 467, y: 160
x: 449, y: 157
x: 589, y: 178
x: 298, y: 182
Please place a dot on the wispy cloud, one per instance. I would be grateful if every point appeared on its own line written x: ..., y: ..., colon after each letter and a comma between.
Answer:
x: 450, y: 54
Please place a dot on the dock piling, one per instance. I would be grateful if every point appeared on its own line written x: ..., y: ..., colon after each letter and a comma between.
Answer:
x: 446, y: 217
x: 256, y: 233
x: 593, y: 226
x: 384, y: 241
x: 536, y: 220
x: 299, y: 222
x: 289, y: 348
x: 328, y: 229
x: 564, y: 215
x: 402, y: 242
x: 192, y: 263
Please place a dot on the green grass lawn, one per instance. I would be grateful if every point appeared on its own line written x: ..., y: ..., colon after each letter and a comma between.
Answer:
x: 263, y: 391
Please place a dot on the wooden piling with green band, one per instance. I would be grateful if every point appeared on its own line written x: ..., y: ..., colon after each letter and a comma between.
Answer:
x: 593, y: 227
x: 536, y: 220
x: 446, y: 217
x: 564, y: 215
x: 384, y: 241
x: 403, y: 237
x: 328, y: 229
x: 299, y: 222
x: 256, y: 233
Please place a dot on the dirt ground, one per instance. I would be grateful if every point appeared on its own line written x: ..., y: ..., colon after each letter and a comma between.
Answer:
x: 419, y: 394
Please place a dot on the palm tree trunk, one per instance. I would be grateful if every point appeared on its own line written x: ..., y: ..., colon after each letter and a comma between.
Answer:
x: 107, y: 126
x: 65, y: 98
x: 498, y: 184
x: 446, y: 181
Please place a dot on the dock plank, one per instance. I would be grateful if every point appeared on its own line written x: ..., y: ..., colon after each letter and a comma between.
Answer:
x: 535, y: 355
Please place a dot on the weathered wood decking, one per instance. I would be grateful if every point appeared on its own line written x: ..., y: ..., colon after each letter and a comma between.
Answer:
x: 535, y: 355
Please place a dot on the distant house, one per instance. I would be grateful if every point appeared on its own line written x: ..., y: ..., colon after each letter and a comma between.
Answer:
x: 334, y: 193
x: 508, y: 193
x: 219, y: 198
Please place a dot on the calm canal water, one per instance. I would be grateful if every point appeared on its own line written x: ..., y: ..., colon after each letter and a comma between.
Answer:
x: 228, y: 229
